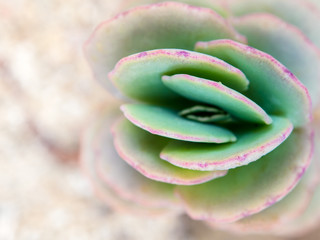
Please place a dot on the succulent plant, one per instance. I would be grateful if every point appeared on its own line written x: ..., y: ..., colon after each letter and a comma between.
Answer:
x: 218, y: 112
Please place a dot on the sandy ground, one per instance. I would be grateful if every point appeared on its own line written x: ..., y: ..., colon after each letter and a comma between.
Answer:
x: 48, y: 96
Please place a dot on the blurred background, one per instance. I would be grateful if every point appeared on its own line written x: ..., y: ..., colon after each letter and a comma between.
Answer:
x: 47, y: 97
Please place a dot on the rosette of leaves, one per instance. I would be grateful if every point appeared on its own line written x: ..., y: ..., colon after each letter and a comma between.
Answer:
x: 217, y: 117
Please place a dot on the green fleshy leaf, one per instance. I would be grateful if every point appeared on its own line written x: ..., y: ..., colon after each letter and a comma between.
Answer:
x: 290, y: 207
x: 141, y: 150
x: 308, y: 221
x: 104, y: 191
x: 300, y: 13
x: 122, y: 178
x: 139, y: 76
x: 157, y: 26
x: 247, y: 190
x: 217, y: 5
x: 272, y: 86
x: 287, y: 44
x: 252, y: 143
x: 167, y: 123
x: 215, y: 93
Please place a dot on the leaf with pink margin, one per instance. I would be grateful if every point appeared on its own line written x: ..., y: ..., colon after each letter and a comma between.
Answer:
x: 308, y: 221
x: 282, y: 212
x: 301, y: 13
x: 216, y: 94
x: 287, y: 44
x: 129, y: 184
x: 139, y: 76
x: 102, y: 190
x: 141, y: 150
x: 156, y: 26
x: 166, y: 122
x: 252, y: 143
x: 272, y: 85
x: 216, y: 5
x: 250, y: 189
x: 310, y: 218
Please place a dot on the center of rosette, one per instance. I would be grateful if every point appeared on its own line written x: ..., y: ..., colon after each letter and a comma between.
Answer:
x: 205, y: 114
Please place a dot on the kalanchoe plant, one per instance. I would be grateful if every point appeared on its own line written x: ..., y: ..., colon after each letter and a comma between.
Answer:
x: 218, y: 115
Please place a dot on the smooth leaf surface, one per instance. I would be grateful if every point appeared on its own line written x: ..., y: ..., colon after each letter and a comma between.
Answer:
x: 141, y: 150
x: 122, y: 178
x: 308, y: 221
x: 287, y: 44
x: 252, y: 143
x: 281, y: 213
x: 155, y: 26
x: 167, y: 123
x: 139, y: 76
x: 250, y: 189
x: 217, y: 5
x: 103, y: 190
x: 216, y: 94
x: 301, y: 13
x: 272, y: 85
